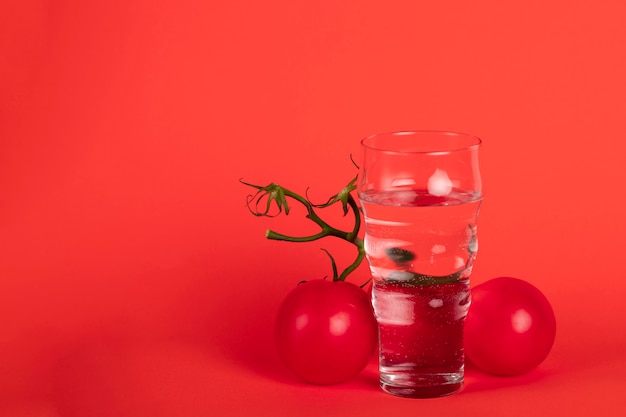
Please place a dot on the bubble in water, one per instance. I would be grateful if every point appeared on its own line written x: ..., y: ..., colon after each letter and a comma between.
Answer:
x: 436, y: 303
x: 438, y: 249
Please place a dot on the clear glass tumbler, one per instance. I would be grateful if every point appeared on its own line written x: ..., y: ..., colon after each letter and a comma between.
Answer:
x: 420, y: 192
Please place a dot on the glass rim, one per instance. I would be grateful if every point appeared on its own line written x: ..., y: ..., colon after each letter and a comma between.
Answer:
x: 473, y: 142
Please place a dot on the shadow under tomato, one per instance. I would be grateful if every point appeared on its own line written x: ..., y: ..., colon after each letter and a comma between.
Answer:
x: 369, y: 379
x: 248, y: 343
x: 254, y: 349
x: 255, y: 352
x: 477, y: 380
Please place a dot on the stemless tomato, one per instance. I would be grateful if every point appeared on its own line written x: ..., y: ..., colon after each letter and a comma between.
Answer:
x: 510, y: 327
x: 326, y: 331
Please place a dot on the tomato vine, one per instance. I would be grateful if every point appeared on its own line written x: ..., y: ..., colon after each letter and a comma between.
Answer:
x: 273, y: 199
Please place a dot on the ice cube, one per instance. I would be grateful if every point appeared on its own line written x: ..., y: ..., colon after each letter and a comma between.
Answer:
x: 439, y: 184
x: 393, y: 308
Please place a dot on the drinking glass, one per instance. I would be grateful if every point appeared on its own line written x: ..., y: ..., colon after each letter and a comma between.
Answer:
x: 420, y: 192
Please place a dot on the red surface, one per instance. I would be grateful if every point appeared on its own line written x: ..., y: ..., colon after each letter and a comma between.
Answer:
x: 134, y: 281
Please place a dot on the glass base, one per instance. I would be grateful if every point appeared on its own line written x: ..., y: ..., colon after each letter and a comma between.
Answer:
x: 403, y: 384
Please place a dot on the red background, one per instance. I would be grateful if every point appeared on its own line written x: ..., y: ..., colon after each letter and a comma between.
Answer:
x: 134, y: 281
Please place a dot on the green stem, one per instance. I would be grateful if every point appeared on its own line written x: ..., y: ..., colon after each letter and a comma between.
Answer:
x: 278, y: 194
x: 352, y: 237
x: 270, y: 234
x: 327, y: 230
x: 354, y: 265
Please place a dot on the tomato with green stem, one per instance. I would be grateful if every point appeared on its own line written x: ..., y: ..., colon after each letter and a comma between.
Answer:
x: 325, y: 330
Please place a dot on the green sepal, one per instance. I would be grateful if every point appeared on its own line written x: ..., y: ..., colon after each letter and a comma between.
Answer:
x: 334, y: 265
